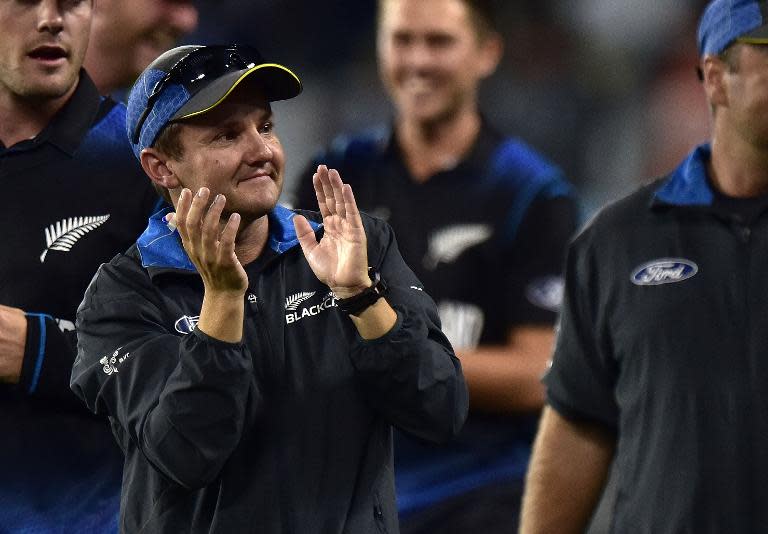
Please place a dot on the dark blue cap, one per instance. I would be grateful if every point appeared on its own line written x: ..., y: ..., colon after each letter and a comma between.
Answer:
x: 190, y: 80
x: 725, y: 21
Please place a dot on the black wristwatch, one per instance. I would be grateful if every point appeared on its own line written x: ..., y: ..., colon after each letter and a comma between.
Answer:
x: 362, y: 301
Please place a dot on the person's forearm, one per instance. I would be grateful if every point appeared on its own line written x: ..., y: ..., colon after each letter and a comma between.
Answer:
x: 13, y: 335
x: 502, y: 380
x: 221, y: 316
x: 507, y: 378
x: 376, y: 320
x: 566, y: 475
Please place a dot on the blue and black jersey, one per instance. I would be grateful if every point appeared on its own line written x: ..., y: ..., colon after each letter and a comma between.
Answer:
x: 487, y: 237
x: 73, y: 197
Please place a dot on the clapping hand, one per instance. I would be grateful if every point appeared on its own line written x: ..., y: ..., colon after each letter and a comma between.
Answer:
x: 210, y: 248
x: 340, y: 258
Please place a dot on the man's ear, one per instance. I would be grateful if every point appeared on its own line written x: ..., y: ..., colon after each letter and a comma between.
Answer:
x: 157, y: 167
x: 491, y: 51
x: 714, y: 71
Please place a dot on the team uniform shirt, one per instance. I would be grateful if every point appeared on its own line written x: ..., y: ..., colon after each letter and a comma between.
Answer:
x: 662, y: 339
x: 287, y: 431
x: 73, y: 197
x: 488, y: 238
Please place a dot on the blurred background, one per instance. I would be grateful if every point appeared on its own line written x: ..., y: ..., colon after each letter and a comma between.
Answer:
x: 606, y: 88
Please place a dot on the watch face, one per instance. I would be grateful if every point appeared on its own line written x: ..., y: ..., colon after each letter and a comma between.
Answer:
x: 379, y: 286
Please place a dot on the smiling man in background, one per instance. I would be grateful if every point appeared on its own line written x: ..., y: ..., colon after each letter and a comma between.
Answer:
x: 483, y: 220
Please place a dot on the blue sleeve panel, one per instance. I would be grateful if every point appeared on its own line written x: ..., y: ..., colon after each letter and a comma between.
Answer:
x: 517, y: 168
x: 351, y: 153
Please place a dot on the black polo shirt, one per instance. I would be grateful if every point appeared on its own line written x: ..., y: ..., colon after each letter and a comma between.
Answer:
x: 663, y: 339
x: 73, y: 197
x: 487, y: 238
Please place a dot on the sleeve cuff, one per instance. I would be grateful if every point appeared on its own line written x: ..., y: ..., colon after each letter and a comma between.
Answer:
x: 386, y: 338
x: 202, y: 336
x: 575, y: 415
x: 34, y: 352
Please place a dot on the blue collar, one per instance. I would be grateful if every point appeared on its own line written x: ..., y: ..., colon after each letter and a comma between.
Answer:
x: 688, y: 184
x: 161, y: 248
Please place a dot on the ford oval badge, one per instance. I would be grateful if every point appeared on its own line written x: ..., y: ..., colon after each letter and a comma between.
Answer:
x: 664, y: 271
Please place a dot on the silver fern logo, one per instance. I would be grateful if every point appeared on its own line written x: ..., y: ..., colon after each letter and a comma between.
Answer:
x: 64, y: 234
x: 292, y: 302
x: 449, y: 243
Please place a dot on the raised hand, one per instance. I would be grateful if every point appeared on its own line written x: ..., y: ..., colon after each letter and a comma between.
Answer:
x: 211, y: 249
x: 340, y: 258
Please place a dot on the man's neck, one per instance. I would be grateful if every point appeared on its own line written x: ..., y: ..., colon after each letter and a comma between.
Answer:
x: 23, y: 118
x: 738, y: 168
x: 251, y: 239
x: 429, y: 148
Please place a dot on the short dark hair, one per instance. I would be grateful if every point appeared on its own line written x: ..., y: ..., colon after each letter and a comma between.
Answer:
x: 169, y: 143
x: 483, y: 17
x: 480, y: 13
x: 730, y: 56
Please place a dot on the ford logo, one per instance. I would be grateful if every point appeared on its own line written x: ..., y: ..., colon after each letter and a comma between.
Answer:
x: 664, y: 271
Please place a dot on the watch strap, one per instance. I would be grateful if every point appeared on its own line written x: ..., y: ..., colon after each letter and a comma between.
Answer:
x: 362, y: 301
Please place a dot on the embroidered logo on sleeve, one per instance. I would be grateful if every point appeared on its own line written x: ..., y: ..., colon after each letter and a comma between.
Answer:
x: 65, y: 234
x: 110, y: 363
x: 664, y: 271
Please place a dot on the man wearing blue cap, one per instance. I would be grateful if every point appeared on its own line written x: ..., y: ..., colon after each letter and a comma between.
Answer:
x: 253, y: 360
x: 660, y: 358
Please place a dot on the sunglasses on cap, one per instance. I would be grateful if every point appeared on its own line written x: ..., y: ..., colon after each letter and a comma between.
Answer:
x: 197, y: 69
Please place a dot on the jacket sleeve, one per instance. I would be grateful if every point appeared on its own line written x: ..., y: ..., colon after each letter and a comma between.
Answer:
x: 411, y: 373
x: 48, y: 356
x: 180, y: 398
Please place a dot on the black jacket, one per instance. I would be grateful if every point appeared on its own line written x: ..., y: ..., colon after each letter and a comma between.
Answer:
x: 288, y: 431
